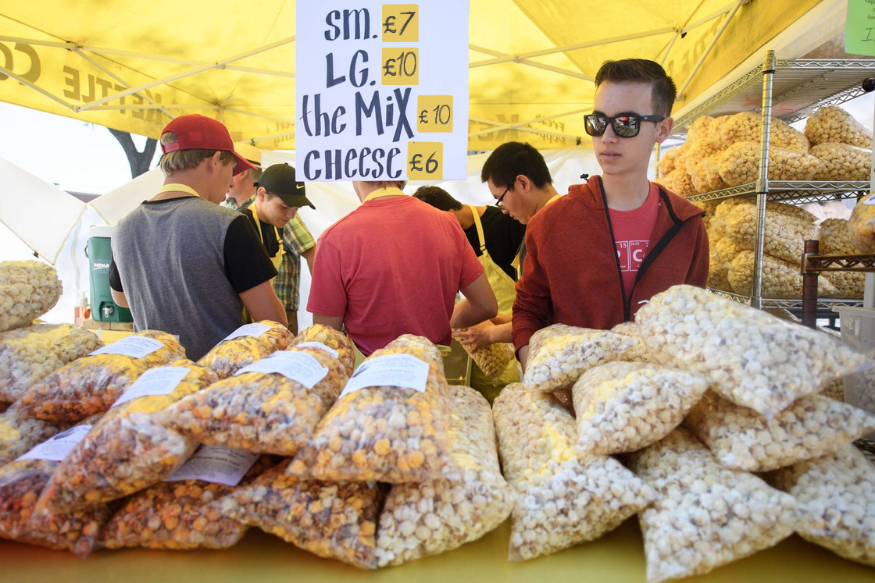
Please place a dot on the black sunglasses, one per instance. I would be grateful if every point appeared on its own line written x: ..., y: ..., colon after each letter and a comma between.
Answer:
x: 501, y: 198
x: 625, y: 125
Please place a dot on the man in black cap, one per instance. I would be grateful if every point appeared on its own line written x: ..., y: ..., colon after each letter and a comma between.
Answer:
x: 274, y: 214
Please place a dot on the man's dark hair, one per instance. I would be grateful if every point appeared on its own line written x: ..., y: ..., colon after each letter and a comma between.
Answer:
x: 641, y: 71
x: 512, y: 159
x: 438, y: 198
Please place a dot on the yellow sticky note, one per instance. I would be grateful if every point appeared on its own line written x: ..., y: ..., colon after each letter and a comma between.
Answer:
x: 400, y: 66
x: 434, y: 114
x: 425, y: 161
x: 400, y: 23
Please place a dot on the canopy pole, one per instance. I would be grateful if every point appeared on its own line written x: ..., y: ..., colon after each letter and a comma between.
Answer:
x: 118, y: 79
x: 670, y: 47
x: 536, y: 64
x: 707, y: 19
x: 522, y: 129
x: 40, y: 90
x: 189, y: 73
x: 270, y: 137
x: 710, y: 47
x: 260, y: 115
x: 566, y: 48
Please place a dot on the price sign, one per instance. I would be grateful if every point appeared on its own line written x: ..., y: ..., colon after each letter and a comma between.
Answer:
x: 435, y: 114
x: 425, y: 160
x: 381, y: 90
x: 400, y: 23
x: 401, y: 66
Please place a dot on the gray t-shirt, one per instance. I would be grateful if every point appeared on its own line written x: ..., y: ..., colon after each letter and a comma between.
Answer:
x: 182, y: 263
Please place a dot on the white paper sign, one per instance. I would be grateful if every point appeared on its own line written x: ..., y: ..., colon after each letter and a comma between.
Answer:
x: 58, y: 447
x: 320, y: 346
x: 215, y: 464
x: 156, y: 381
x: 395, y: 370
x: 254, y: 330
x: 133, y: 346
x: 381, y: 90
x: 297, y: 366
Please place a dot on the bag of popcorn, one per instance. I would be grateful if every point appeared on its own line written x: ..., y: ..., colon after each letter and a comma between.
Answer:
x: 21, y: 483
x: 19, y: 434
x: 90, y: 385
x: 836, y: 498
x: 559, y: 354
x: 28, y: 289
x: 430, y: 518
x: 742, y: 439
x: 245, y: 345
x: 753, y: 359
x: 390, y: 423
x: 329, y: 340
x: 331, y: 520
x: 624, y: 406
x: 269, y: 407
x: 562, y: 499
x: 184, y: 515
x: 706, y: 515
x: 638, y: 351
x: 28, y: 355
x: 128, y: 450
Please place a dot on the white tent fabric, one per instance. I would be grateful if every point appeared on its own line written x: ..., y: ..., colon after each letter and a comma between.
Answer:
x: 114, y: 205
x: 40, y: 214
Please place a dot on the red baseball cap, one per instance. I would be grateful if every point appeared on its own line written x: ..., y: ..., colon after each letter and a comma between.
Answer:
x: 198, y: 132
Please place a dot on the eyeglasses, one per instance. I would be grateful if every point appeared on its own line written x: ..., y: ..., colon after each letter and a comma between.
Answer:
x: 625, y: 125
x: 498, y: 202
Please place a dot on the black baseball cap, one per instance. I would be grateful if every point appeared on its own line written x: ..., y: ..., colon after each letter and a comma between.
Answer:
x: 279, y: 179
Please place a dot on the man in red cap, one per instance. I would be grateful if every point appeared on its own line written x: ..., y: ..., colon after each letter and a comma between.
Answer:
x: 182, y: 263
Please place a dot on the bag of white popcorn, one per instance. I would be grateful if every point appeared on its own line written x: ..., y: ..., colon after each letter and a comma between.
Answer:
x: 742, y: 439
x: 753, y: 359
x: 836, y: 499
x: 707, y: 515
x: 430, y: 518
x: 638, y: 351
x: 559, y: 354
x: 562, y: 499
x: 28, y: 289
x: 625, y: 406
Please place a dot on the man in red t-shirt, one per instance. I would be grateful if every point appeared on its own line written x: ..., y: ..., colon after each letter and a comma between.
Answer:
x: 596, y: 255
x: 393, y: 266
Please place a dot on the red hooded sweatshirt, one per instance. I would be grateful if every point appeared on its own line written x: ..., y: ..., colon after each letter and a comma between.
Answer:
x: 571, y: 274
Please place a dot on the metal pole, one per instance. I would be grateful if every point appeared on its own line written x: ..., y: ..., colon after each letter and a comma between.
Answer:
x: 769, y: 64
x: 809, y: 285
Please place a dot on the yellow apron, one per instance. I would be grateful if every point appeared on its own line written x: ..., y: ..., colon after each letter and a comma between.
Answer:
x: 276, y: 260
x: 504, y: 288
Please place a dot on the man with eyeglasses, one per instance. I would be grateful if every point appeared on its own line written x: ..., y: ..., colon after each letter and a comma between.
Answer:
x: 596, y: 255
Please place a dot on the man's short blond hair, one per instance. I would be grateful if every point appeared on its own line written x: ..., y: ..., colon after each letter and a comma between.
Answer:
x: 188, y: 159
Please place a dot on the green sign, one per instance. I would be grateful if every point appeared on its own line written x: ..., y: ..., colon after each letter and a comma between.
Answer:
x: 860, y: 28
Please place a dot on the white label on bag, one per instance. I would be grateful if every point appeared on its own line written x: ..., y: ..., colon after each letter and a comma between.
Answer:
x: 133, y: 346
x: 318, y: 345
x: 254, y: 330
x: 870, y: 200
x: 58, y: 447
x: 215, y: 464
x: 156, y: 381
x: 395, y: 370
x: 297, y: 366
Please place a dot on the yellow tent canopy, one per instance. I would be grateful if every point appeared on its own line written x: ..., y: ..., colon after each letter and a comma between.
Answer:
x: 133, y: 65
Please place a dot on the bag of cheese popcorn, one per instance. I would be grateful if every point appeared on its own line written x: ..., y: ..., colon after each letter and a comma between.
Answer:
x: 245, y: 345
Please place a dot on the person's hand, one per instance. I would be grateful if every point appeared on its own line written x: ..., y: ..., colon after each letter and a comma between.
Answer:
x: 475, y: 337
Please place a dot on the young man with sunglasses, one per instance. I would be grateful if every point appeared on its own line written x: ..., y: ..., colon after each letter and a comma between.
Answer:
x: 596, y: 255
